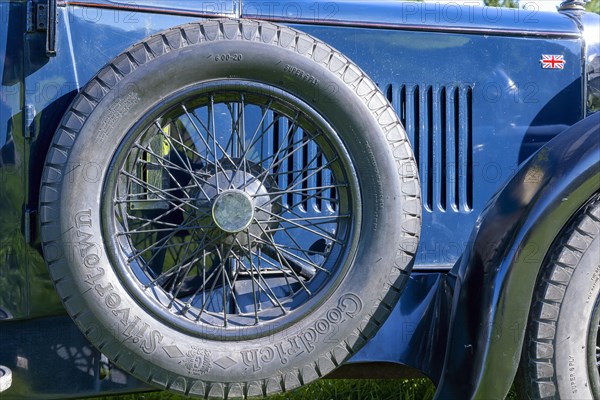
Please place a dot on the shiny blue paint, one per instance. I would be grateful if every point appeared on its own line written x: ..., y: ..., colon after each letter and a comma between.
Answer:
x: 416, y: 16
x: 516, y: 106
x: 226, y: 8
x: 480, y: 65
x: 415, y: 332
x: 14, y: 295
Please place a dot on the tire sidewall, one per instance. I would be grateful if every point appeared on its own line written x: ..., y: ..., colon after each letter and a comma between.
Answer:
x: 573, y: 325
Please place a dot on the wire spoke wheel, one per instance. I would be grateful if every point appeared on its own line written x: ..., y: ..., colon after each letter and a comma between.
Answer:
x: 232, y: 205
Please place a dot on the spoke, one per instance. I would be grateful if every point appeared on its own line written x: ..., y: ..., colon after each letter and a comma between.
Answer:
x: 316, y: 225
x: 254, y: 299
x: 216, y: 144
x: 212, y: 288
x: 200, y: 136
x: 286, y: 273
x: 186, y: 162
x: 265, y: 173
x: 276, y: 164
x: 155, y: 220
x: 210, y: 149
x: 152, y: 221
x: 230, y: 284
x: 283, y: 192
x: 230, y: 145
x: 241, y: 128
x: 300, y: 182
x: 134, y: 200
x: 298, y: 248
x: 171, y: 270
x: 205, y: 279
x: 313, y: 196
x: 300, y: 226
x: 188, y: 201
x: 300, y: 259
x: 281, y: 260
x: 264, y: 130
x: 274, y: 299
x: 186, y: 267
x: 166, y: 161
x: 172, y: 233
x: 158, y: 230
x: 242, y: 139
x: 284, y: 141
x: 166, y: 246
x: 290, y: 254
x: 236, y: 141
x: 162, y: 240
x: 329, y: 218
x: 214, y: 136
x: 254, y: 140
x: 278, y: 246
x: 186, y: 165
x: 223, y: 275
x: 291, y: 130
x: 196, y: 146
x: 168, y: 167
x: 163, y: 215
x: 185, y: 147
x: 232, y: 281
x: 290, y: 146
x: 133, y: 196
x: 194, y: 174
x: 294, y: 248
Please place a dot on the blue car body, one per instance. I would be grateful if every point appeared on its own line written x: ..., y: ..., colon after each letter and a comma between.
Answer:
x: 507, y: 152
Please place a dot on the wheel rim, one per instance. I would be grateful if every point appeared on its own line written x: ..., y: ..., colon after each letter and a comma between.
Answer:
x: 593, y: 355
x: 234, y: 209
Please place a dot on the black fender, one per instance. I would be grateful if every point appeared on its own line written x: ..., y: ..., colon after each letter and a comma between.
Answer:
x: 496, y: 275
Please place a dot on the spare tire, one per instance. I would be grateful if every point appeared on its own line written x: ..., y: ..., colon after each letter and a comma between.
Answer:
x: 229, y: 209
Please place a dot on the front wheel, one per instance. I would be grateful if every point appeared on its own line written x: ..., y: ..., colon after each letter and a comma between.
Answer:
x: 561, y: 353
x: 230, y: 209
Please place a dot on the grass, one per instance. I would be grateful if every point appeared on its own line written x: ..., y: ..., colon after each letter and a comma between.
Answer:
x: 336, y: 389
x: 331, y: 389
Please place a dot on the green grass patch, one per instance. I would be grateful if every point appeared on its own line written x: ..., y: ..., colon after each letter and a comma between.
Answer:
x: 335, y: 389
x: 332, y: 389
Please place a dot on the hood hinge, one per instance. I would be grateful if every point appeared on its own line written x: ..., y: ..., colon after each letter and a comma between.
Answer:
x: 41, y: 17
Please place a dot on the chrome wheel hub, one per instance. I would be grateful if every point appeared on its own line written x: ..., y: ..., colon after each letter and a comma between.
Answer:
x: 233, y: 210
x: 238, y: 206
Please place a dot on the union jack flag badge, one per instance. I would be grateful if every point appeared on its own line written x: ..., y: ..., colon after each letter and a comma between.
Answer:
x: 552, y: 61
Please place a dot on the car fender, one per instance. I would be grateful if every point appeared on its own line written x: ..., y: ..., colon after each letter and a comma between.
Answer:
x: 496, y: 276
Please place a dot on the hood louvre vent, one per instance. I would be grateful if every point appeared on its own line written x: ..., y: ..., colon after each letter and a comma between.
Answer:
x: 438, y: 121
